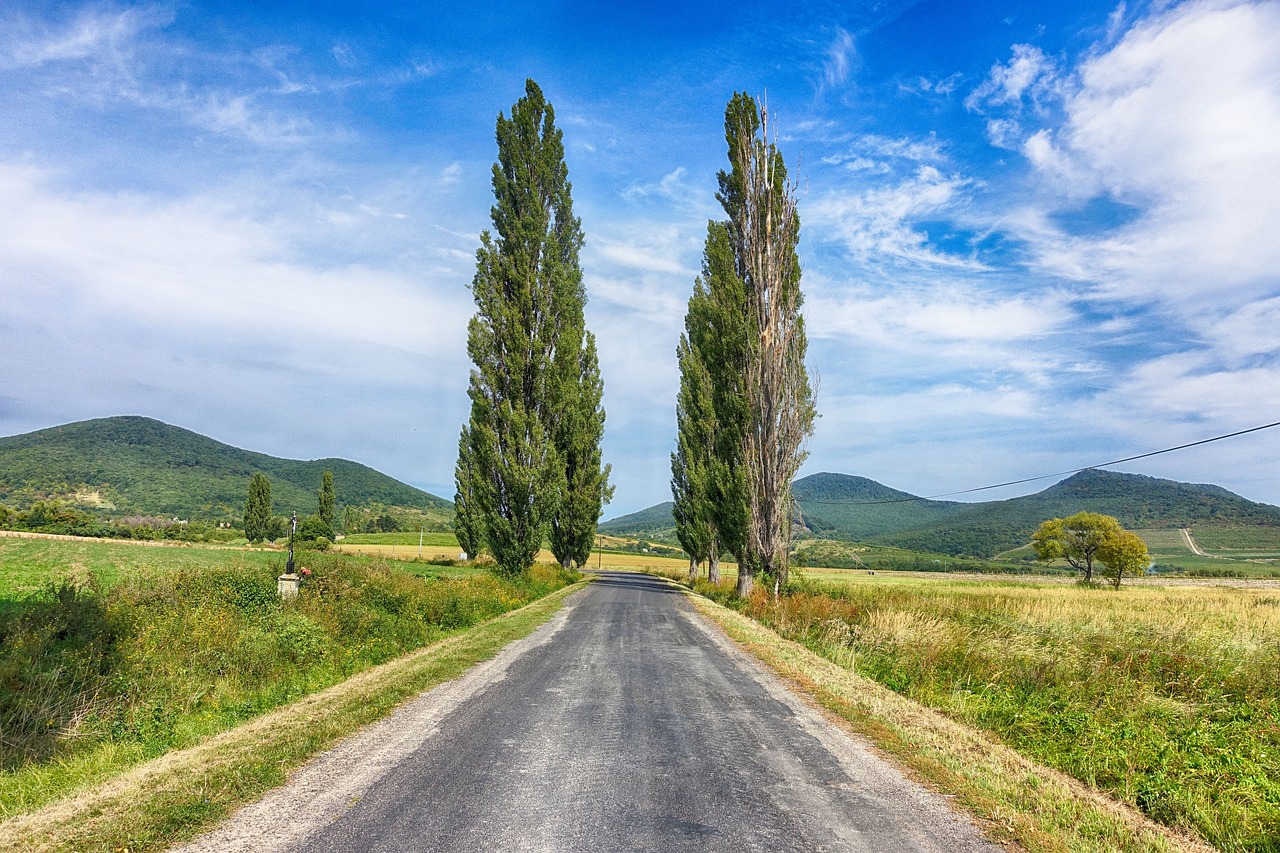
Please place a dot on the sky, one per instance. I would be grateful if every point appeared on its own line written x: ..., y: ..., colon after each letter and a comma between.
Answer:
x: 1035, y: 236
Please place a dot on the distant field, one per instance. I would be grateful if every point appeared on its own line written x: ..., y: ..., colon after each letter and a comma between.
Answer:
x: 1239, y: 541
x: 401, y: 538
x: 28, y: 565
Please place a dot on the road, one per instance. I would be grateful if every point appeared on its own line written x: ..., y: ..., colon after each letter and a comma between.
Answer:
x: 625, y: 724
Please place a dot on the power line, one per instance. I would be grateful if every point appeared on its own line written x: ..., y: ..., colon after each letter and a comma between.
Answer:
x: 1048, y: 476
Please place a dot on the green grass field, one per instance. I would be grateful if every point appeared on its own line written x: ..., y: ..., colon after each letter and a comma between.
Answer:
x: 1167, y: 698
x: 29, y: 565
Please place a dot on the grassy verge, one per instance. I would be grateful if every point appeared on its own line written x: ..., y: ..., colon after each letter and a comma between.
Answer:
x: 1017, y: 800
x: 176, y: 796
x: 95, y: 679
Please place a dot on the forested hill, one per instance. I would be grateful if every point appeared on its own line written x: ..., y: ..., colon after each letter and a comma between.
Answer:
x: 655, y: 522
x: 848, y: 507
x: 139, y: 465
x: 985, y: 529
x: 840, y: 506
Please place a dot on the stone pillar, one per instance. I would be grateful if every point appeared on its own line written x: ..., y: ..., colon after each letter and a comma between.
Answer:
x: 287, y: 585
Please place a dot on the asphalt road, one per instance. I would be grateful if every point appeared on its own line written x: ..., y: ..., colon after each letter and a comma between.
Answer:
x: 625, y: 724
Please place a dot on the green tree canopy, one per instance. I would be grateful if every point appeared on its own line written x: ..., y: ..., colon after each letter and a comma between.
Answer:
x: 763, y: 231
x: 1089, y: 538
x: 328, y: 504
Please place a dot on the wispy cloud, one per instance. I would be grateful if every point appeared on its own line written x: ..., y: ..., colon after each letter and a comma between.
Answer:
x: 884, y: 221
x: 840, y: 60
x: 93, y: 34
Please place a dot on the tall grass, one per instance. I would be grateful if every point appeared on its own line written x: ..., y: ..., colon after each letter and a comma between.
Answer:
x: 93, y: 680
x: 1168, y: 699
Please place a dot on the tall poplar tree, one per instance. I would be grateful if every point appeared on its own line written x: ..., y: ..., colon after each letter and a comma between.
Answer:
x: 578, y: 428
x: 693, y: 459
x: 257, y: 509
x: 525, y: 339
x: 749, y: 341
x: 328, y: 502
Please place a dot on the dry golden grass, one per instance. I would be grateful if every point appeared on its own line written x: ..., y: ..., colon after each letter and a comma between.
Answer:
x: 1019, y: 801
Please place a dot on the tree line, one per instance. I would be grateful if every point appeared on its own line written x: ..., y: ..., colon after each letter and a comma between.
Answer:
x: 529, y: 464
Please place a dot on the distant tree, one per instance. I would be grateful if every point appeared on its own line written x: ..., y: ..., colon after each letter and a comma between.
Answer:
x: 528, y: 293
x: 278, y: 527
x: 313, y: 532
x: 1087, y: 538
x: 257, y: 509
x: 764, y: 230
x: 328, y: 503
x: 1124, y: 554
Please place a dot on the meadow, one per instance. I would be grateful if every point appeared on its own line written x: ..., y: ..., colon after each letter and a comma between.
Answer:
x: 111, y: 654
x: 1166, y: 698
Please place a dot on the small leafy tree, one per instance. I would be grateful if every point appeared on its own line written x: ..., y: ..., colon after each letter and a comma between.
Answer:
x: 1087, y: 538
x: 328, y: 504
x: 1124, y: 554
x: 257, y: 509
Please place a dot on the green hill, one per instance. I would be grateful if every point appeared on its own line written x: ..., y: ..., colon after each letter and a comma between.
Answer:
x: 137, y: 465
x: 848, y: 507
x: 653, y: 523
x: 840, y: 506
x: 986, y: 529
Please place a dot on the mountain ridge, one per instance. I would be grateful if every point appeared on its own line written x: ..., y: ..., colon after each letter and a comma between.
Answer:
x: 133, y: 463
x: 845, y: 506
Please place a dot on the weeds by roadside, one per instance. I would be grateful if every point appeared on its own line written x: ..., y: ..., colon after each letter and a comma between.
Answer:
x: 1166, y: 699
x: 94, y: 680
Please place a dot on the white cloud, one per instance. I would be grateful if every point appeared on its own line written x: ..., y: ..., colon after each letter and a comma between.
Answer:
x: 1180, y: 120
x: 1028, y: 72
x: 881, y: 221
x: 199, y: 267
x: 841, y: 56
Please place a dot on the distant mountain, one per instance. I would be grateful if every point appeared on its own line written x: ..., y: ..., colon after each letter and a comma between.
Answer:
x: 840, y: 506
x: 654, y: 523
x: 140, y: 465
x: 847, y: 507
x: 986, y: 529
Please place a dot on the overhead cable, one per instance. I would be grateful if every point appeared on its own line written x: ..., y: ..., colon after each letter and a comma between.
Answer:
x: 1048, y: 476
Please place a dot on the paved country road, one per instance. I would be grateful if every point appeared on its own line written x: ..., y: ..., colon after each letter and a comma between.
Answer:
x: 626, y: 723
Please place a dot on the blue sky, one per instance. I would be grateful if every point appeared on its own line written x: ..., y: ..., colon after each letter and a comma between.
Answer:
x: 1035, y: 236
